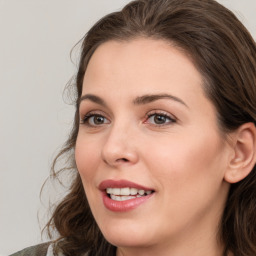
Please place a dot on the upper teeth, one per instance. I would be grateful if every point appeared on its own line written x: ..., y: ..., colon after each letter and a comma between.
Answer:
x: 127, y: 191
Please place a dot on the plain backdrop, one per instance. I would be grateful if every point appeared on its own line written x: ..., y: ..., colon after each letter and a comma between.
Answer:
x: 36, y: 37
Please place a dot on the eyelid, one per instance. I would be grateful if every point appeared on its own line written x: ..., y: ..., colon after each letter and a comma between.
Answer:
x: 85, y: 117
x: 172, y: 118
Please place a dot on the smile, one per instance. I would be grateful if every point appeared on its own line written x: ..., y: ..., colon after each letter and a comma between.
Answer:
x: 123, y: 194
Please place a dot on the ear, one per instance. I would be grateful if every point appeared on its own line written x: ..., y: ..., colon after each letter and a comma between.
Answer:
x: 243, y: 158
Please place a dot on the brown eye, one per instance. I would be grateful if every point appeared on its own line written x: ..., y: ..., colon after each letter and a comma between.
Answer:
x: 94, y: 120
x: 97, y: 120
x: 160, y: 119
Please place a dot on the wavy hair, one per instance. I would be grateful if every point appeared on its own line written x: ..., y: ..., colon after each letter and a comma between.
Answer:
x: 224, y: 53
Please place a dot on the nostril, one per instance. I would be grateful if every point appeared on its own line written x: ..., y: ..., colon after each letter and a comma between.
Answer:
x: 116, y: 162
x: 122, y: 160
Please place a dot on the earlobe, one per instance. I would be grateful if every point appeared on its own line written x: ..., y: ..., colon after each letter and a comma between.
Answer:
x: 244, y: 157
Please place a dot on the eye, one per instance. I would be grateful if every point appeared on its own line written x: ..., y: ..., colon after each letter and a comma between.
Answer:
x: 159, y: 119
x: 94, y: 120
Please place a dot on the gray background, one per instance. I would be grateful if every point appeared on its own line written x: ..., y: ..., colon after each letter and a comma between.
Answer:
x: 36, y: 37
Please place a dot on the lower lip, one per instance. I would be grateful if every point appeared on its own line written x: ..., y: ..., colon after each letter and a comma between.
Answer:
x: 123, y: 206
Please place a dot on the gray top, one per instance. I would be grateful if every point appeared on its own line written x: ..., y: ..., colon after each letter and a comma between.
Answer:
x: 37, y: 250
x: 45, y: 249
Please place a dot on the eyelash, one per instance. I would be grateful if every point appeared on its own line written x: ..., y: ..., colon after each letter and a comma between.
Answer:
x: 86, y: 118
x: 162, y: 115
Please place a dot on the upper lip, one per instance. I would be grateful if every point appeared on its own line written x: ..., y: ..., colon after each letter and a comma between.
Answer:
x: 121, y: 184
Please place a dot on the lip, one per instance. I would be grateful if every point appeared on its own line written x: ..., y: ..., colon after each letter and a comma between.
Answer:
x: 122, y: 206
x: 121, y: 184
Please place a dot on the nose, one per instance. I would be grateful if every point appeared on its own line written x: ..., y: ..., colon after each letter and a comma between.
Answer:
x: 119, y: 147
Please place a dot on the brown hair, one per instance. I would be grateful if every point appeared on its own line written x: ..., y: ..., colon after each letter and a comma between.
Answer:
x: 225, y: 54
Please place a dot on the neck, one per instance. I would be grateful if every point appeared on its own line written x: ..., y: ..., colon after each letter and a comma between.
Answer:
x: 209, y: 250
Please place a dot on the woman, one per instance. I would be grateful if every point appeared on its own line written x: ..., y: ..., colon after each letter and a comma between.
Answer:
x: 164, y: 141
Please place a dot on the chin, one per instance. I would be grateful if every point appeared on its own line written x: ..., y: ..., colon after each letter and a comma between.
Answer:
x: 127, y: 236
x: 131, y: 240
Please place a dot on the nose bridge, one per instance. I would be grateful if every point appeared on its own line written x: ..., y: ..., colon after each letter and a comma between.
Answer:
x: 119, y: 146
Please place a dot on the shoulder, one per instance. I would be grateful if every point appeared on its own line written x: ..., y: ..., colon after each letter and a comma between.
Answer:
x: 45, y: 249
x: 37, y: 250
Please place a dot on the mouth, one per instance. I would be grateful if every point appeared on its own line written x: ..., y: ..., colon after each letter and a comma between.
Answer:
x: 123, y: 194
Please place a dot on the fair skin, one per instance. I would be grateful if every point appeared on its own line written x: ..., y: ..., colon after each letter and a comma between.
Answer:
x: 170, y: 144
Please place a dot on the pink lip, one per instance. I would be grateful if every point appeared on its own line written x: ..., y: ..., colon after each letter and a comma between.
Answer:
x: 122, y: 206
x: 121, y: 184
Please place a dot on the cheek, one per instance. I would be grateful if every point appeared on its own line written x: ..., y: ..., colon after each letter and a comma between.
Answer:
x: 191, y: 159
x: 87, y: 158
x: 190, y: 175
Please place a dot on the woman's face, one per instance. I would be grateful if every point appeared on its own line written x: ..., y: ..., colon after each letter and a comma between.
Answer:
x: 149, y: 151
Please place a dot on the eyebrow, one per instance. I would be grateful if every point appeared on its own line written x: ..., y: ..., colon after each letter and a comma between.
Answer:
x: 93, y: 98
x: 153, y: 97
x: 141, y: 100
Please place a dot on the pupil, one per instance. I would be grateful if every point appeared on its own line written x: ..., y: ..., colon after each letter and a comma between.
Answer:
x: 159, y: 119
x: 98, y: 120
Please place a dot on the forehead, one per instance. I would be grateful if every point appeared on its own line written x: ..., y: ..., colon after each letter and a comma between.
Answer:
x: 141, y: 66
x: 129, y: 58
